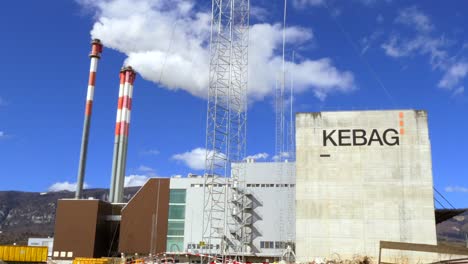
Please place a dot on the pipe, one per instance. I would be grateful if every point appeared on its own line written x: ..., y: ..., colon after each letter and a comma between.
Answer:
x: 124, y: 130
x: 95, y: 55
x: 118, y: 120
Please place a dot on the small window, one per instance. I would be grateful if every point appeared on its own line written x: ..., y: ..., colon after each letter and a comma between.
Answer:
x: 292, y: 185
x: 267, y: 244
x: 263, y: 185
x: 280, y: 244
x: 249, y: 185
x: 257, y: 185
x: 177, y: 196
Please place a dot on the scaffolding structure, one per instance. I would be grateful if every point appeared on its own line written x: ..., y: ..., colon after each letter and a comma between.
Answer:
x: 224, y: 191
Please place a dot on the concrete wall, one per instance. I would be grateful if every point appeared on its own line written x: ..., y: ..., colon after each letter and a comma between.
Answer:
x: 350, y: 197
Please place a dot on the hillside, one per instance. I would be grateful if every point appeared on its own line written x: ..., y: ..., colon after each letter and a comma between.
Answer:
x: 454, y: 231
x: 30, y: 214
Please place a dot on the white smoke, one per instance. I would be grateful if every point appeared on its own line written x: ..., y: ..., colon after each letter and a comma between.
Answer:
x: 167, y: 42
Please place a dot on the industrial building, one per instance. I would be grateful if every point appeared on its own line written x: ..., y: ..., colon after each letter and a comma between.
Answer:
x: 270, y: 207
x: 357, y: 178
x: 362, y: 177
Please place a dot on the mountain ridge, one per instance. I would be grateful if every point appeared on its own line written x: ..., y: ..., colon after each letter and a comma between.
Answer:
x: 32, y: 214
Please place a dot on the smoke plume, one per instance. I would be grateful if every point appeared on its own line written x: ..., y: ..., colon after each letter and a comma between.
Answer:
x: 167, y: 42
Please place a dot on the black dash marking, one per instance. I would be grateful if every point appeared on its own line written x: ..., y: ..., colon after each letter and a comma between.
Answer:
x: 324, y: 155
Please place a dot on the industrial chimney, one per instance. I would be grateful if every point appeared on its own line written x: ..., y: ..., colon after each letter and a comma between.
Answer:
x: 124, y: 106
x: 95, y: 55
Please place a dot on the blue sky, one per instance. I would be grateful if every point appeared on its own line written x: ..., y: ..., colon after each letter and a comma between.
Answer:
x: 359, y: 54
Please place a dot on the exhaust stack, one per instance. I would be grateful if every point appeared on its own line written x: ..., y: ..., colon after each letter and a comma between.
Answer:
x: 124, y: 106
x: 115, y: 159
x: 95, y: 55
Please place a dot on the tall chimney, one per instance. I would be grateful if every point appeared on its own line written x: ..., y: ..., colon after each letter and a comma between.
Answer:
x: 118, y: 121
x: 122, y: 130
x: 95, y: 55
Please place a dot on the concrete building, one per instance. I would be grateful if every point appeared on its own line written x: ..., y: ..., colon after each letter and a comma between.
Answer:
x: 42, y: 242
x: 362, y: 177
x: 272, y: 194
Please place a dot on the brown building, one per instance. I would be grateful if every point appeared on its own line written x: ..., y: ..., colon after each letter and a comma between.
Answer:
x: 81, y: 229
x: 143, y: 228
x: 94, y: 228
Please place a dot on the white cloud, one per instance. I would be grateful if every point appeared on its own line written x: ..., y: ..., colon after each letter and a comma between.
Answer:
x: 420, y: 44
x: 65, y: 186
x: 258, y: 156
x: 454, y: 75
x: 367, y: 2
x: 280, y: 156
x: 369, y: 41
x: 147, y: 171
x: 153, y: 152
x: 415, y: 18
x: 423, y: 42
x: 456, y: 189
x: 458, y: 91
x: 144, y: 168
x: 320, y: 75
x: 259, y: 13
x: 454, y: 72
x: 194, y: 159
x: 167, y: 42
x: 135, y: 180
x: 305, y: 3
x: 2, y: 134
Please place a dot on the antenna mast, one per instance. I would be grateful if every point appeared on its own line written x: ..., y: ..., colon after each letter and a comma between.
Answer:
x: 226, y: 129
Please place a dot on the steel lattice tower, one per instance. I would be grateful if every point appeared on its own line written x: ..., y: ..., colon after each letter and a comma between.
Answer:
x: 226, y: 123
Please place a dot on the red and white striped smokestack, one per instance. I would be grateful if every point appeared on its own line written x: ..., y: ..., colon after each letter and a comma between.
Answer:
x: 96, y: 50
x: 122, y: 132
x: 118, y: 123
